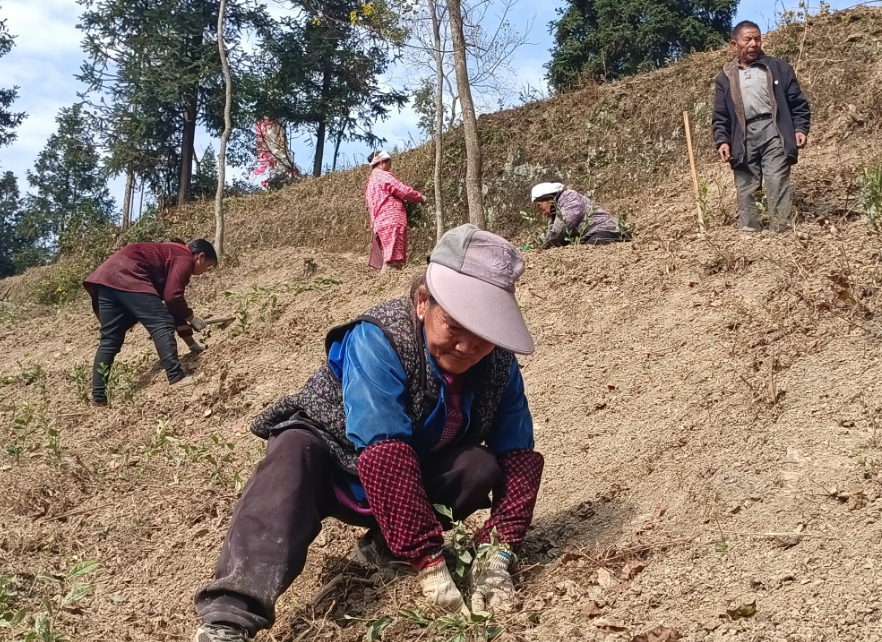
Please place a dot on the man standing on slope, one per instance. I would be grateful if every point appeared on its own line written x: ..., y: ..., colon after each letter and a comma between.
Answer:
x: 761, y: 121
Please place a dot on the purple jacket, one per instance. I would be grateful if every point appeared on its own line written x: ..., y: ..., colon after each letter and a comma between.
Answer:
x: 576, y: 216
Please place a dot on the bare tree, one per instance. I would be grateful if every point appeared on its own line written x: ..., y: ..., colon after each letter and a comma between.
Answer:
x: 225, y: 136
x: 439, y: 118
x: 128, y: 197
x: 490, y: 43
x: 474, y: 162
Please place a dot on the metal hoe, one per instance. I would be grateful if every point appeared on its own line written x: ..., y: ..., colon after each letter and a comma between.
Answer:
x: 221, y: 322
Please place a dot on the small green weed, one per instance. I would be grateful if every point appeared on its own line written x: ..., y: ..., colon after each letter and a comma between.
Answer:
x: 10, y: 618
x: 21, y: 430
x: 71, y: 592
x: 262, y: 303
x: 34, y: 375
x: 217, y: 454
x: 535, y: 228
x: 53, y: 441
x: 462, y: 546
x: 119, y: 381
x: 703, y: 205
x: 623, y: 228
x: 450, y: 628
x: 79, y: 375
x: 869, y: 184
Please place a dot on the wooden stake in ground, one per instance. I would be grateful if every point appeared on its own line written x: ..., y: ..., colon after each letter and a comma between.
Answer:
x: 694, y: 173
x: 225, y: 136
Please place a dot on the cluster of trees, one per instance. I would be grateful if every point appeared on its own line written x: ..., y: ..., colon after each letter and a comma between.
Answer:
x: 68, y: 196
x: 155, y: 70
x: 603, y: 40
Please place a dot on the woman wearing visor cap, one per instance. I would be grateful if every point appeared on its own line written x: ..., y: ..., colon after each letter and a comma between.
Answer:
x: 420, y: 402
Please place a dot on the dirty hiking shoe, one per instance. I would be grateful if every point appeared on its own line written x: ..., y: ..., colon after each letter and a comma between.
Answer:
x: 372, y: 551
x: 220, y: 633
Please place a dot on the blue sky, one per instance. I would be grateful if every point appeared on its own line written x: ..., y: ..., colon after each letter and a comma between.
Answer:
x: 47, y: 55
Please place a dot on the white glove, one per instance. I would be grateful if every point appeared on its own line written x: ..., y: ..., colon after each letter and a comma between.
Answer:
x: 490, y: 583
x: 439, y: 589
x: 197, y: 347
x: 197, y: 323
x: 424, y: 200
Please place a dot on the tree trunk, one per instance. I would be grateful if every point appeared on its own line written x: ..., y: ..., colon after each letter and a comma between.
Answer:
x: 127, y: 200
x: 337, y: 140
x: 439, y: 120
x: 188, y: 142
x: 322, y: 125
x: 225, y: 136
x: 474, y: 191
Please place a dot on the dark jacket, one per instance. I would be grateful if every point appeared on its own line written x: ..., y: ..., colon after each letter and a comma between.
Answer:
x: 319, y: 405
x: 163, y: 269
x: 790, y: 109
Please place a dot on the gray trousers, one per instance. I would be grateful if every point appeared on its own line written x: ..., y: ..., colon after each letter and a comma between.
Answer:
x: 765, y: 165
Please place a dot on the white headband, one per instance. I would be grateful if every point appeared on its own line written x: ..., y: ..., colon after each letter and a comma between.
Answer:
x: 544, y: 190
x: 379, y: 157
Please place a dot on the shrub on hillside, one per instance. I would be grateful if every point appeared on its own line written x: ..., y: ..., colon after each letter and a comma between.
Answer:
x: 62, y: 285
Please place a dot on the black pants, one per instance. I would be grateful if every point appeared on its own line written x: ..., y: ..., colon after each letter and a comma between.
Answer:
x: 281, y: 511
x: 119, y: 312
x: 603, y: 238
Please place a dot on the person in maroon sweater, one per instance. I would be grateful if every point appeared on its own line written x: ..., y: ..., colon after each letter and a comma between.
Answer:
x: 145, y: 282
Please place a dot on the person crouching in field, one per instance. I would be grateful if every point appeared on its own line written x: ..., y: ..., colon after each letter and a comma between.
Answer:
x: 573, y: 217
x: 385, y: 196
x: 145, y: 282
x: 420, y: 402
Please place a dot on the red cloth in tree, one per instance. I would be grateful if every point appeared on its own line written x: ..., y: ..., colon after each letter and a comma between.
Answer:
x: 514, y: 497
x: 163, y: 269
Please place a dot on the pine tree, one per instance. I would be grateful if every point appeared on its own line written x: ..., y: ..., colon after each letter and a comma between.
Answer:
x: 158, y: 62
x: 320, y: 72
x: 8, y: 120
x: 69, y: 196
x: 9, y: 218
x: 608, y: 39
x: 205, y: 178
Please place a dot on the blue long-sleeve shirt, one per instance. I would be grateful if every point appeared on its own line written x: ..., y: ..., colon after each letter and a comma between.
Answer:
x: 375, y: 392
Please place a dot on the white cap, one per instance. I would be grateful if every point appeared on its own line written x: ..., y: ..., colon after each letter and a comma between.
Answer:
x: 379, y: 157
x: 544, y: 190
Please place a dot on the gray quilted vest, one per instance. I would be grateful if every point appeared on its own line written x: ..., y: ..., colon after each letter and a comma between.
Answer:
x: 319, y: 404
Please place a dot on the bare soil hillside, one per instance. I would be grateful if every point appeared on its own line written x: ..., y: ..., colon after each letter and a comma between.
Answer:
x: 707, y: 405
x: 707, y: 408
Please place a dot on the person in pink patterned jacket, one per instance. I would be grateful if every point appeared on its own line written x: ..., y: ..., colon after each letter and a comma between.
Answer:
x: 385, y: 196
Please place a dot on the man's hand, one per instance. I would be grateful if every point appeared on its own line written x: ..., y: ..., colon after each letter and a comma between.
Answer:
x: 439, y: 589
x: 424, y: 200
x: 725, y: 152
x: 196, y: 347
x: 490, y: 583
x: 801, y: 140
x: 197, y: 323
